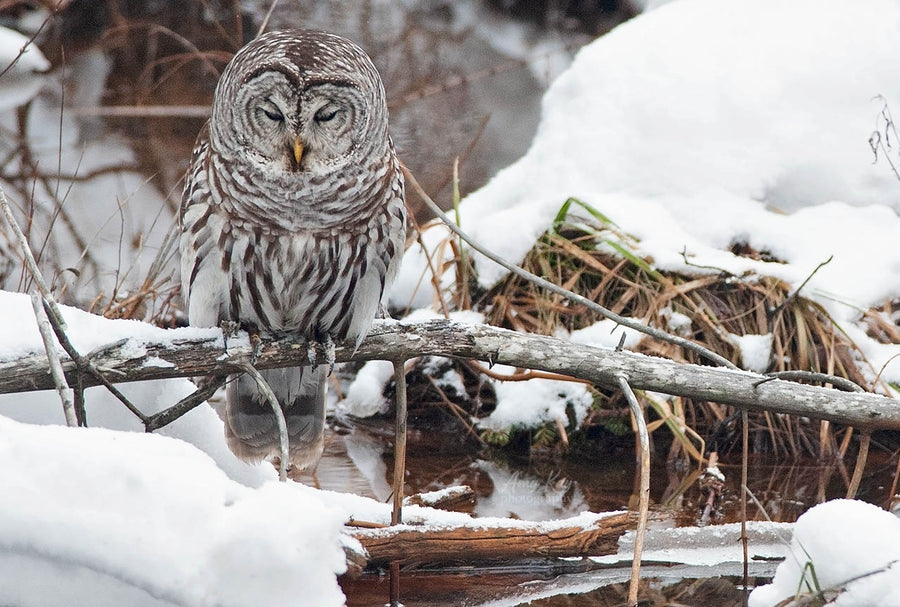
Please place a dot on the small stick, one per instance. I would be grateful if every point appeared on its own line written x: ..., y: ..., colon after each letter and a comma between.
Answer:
x: 644, y: 495
x: 840, y: 383
x: 861, y: 457
x: 266, y: 390
x: 166, y: 417
x: 66, y: 394
x: 745, y: 457
x: 399, y: 467
x: 399, y: 440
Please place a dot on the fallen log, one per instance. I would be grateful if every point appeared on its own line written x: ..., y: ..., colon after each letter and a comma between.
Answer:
x: 588, y: 534
x: 176, y: 356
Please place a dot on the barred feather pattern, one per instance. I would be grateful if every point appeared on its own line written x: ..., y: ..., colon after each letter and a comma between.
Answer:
x: 305, y: 247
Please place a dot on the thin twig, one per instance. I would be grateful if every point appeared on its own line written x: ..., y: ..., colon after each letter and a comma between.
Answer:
x: 554, y: 288
x: 186, y: 404
x: 861, y: 457
x: 265, y: 21
x: 28, y: 256
x: 644, y: 495
x: 796, y: 291
x: 66, y: 394
x: 745, y: 459
x: 143, y: 111
x: 266, y: 391
x: 841, y: 383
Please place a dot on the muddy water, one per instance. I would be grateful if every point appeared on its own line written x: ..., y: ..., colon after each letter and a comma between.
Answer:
x: 359, y: 461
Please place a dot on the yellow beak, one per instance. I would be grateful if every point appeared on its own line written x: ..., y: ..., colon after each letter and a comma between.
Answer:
x: 298, y: 150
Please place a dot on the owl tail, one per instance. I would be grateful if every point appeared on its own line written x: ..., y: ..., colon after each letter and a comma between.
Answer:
x: 251, y: 428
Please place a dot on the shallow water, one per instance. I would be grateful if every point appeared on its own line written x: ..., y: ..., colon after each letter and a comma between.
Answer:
x: 359, y: 461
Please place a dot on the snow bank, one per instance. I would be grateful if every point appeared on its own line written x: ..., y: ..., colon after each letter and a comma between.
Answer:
x: 535, y: 402
x: 19, y: 337
x: 684, y: 123
x: 117, y: 518
x: 849, y: 544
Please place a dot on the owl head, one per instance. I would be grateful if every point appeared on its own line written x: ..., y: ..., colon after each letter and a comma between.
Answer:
x: 302, y: 102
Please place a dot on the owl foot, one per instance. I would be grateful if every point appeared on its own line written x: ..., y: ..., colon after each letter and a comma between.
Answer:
x: 327, y: 344
x: 229, y: 328
x: 256, y: 347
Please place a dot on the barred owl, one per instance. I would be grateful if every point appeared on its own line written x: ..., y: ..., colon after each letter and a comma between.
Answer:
x: 292, y: 219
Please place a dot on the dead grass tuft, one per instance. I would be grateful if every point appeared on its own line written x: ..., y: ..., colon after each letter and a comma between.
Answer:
x: 594, y: 258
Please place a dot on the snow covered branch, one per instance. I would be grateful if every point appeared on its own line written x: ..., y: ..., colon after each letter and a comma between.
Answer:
x: 183, y: 354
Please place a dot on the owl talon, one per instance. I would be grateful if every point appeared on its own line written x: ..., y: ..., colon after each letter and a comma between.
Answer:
x: 229, y: 328
x: 328, y: 344
x: 256, y: 347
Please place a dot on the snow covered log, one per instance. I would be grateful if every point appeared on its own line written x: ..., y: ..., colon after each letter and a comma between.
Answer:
x: 181, y: 353
x: 588, y: 534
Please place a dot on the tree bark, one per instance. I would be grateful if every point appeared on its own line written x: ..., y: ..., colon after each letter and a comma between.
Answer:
x: 391, y: 340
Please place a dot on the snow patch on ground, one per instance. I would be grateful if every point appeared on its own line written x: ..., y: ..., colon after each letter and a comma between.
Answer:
x: 850, y: 544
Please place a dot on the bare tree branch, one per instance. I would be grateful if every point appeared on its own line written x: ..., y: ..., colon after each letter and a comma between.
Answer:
x: 66, y: 394
x: 391, y: 340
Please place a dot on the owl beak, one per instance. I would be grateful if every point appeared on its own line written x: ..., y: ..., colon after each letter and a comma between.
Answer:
x: 298, y: 150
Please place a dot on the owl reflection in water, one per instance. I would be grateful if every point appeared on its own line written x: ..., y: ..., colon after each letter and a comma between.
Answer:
x: 292, y: 220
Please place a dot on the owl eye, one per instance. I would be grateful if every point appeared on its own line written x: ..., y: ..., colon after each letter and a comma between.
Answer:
x: 273, y: 114
x: 326, y: 114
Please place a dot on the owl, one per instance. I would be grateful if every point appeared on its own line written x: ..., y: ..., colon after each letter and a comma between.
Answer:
x: 292, y: 220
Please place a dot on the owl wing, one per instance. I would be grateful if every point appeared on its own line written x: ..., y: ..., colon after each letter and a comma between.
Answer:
x: 203, y: 281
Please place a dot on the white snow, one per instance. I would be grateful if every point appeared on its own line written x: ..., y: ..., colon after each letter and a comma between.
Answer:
x: 365, y: 396
x: 24, y: 66
x: 848, y: 544
x: 535, y: 402
x: 119, y: 518
x: 19, y: 335
x: 756, y: 350
x: 709, y: 546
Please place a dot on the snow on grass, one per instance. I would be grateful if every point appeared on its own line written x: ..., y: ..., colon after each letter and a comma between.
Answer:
x: 756, y: 351
x: 843, y: 543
